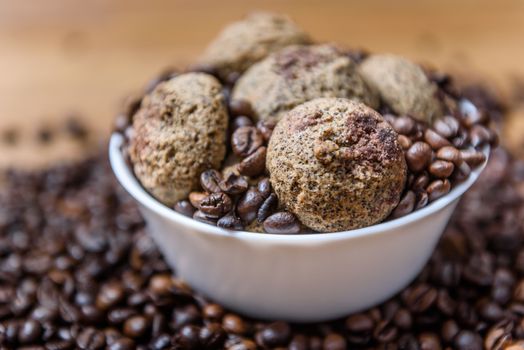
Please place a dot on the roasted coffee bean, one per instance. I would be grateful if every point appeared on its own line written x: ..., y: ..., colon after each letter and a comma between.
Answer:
x: 385, y: 331
x: 109, y: 295
x: 467, y: 340
x: 200, y: 216
x: 429, y: 341
x: 435, y: 140
x: 450, y: 154
x: 212, y: 336
x: 230, y: 222
x: 267, y: 207
x: 405, y: 206
x: 334, y: 341
x: 29, y: 332
x: 234, y: 184
x: 419, y: 298
x: 299, y: 342
x: 122, y: 344
x: 266, y: 128
x: 196, y: 197
x: 497, y: 338
x: 282, y: 223
x: 447, y: 127
x: 210, y: 180
x: 185, y: 208
x: 437, y: 189
x: 470, y: 114
x: 462, y: 171
x: 188, y: 337
x: 404, y: 141
x: 120, y: 315
x: 248, y: 204
x: 422, y: 200
x: 254, y: 164
x: 234, y: 324
x: 420, y: 182
x: 276, y: 334
x: 90, y: 339
x: 441, y: 168
x: 479, y: 136
x: 472, y: 157
x: 264, y: 187
x: 136, y: 326
x: 403, y: 125
x: 241, y: 121
x: 240, y: 107
x: 213, y: 312
x: 246, y: 140
x: 216, y: 205
x: 418, y: 156
x: 186, y: 315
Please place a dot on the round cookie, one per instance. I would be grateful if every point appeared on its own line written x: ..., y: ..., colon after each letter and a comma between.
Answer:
x: 245, y: 42
x: 179, y: 131
x: 403, y: 86
x: 336, y: 164
x: 298, y: 74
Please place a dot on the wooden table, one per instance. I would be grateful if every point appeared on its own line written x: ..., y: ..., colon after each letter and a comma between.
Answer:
x: 69, y: 56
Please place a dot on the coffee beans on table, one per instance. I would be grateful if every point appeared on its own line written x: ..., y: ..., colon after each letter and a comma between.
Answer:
x: 78, y: 271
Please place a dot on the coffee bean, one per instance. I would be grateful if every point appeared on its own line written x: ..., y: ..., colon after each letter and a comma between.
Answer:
x: 299, y: 342
x: 467, y: 340
x: 462, y: 171
x: 479, y: 135
x: 404, y: 141
x: 246, y: 140
x: 437, y: 189
x: 120, y: 315
x: 470, y: 114
x: 441, y: 168
x: 188, y: 337
x: 497, y: 338
x: 403, y: 125
x: 264, y: 187
x: 472, y: 157
x: 447, y: 127
x: 334, y: 341
x: 29, y: 331
x: 234, y: 184
x: 450, y: 154
x: 210, y: 180
x: 385, y: 331
x: 109, y: 295
x: 122, y: 344
x: 405, y: 206
x: 185, y: 208
x: 212, y: 336
x: 240, y: 107
x: 241, y: 121
x: 276, y: 334
x: 422, y: 200
x: 230, y: 222
x: 429, y: 341
x: 418, y: 156
x: 136, y: 326
x: 435, y: 140
x: 186, y: 315
x: 248, y: 204
x: 420, y: 182
x: 90, y: 339
x: 254, y: 164
x: 267, y: 207
x: 266, y: 128
x: 282, y: 223
x: 216, y: 205
x: 196, y: 197
x: 234, y: 324
x: 213, y: 312
x: 419, y: 298
x: 403, y: 319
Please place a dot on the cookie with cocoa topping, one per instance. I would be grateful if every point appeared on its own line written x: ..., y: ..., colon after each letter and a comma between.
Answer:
x: 336, y: 164
x: 298, y: 74
x: 178, y: 132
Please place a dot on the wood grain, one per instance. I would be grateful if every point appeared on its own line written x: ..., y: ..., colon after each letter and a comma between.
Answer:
x: 62, y: 56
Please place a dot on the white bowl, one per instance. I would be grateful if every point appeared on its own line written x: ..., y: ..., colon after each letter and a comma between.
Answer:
x: 301, y: 278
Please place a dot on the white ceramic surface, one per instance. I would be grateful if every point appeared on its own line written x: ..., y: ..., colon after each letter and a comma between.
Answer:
x: 301, y: 278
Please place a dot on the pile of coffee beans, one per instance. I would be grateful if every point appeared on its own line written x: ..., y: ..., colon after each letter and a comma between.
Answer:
x: 78, y: 271
x: 438, y: 156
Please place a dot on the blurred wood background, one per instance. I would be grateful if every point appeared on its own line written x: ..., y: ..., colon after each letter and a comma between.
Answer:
x: 59, y: 57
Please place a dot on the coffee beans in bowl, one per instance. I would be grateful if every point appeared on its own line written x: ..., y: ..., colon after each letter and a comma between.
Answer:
x: 327, y: 170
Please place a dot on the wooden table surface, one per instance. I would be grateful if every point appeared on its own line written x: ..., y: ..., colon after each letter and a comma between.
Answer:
x: 59, y: 57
